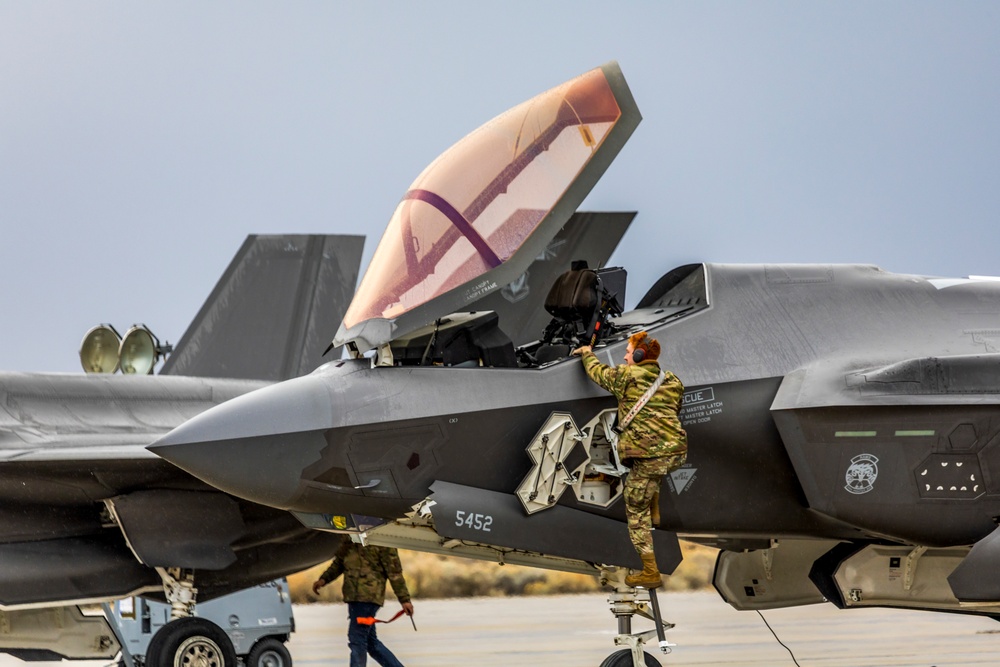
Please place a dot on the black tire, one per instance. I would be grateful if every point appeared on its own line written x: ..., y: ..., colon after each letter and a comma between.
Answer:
x: 269, y: 652
x: 184, y: 639
x: 624, y: 659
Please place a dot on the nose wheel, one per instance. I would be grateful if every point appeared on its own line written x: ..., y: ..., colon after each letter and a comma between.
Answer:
x: 627, y: 602
x: 626, y: 659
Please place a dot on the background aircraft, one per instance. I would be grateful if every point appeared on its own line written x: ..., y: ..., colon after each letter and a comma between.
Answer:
x: 842, y: 419
x: 87, y: 514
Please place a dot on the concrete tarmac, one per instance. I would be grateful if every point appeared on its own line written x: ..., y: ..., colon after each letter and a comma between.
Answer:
x: 577, y: 631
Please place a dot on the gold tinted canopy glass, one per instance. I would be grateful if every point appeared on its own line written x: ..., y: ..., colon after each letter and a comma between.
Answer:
x: 476, y: 204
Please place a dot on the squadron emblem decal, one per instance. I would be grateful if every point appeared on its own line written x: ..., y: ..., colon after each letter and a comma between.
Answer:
x: 861, y: 474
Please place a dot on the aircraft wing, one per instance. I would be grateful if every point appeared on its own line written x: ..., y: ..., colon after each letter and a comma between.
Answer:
x: 75, y: 417
x: 73, y: 449
x: 128, y: 448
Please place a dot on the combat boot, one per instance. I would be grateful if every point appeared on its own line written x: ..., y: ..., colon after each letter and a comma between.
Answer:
x: 650, y: 575
x: 654, y: 510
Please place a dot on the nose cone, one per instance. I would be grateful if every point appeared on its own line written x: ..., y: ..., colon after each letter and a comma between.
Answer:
x: 256, y: 445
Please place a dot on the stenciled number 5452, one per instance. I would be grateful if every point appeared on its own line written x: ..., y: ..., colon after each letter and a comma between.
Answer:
x: 473, y: 520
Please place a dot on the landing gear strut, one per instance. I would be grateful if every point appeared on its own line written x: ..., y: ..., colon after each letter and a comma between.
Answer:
x: 625, y: 603
x: 178, y: 586
x: 187, y: 639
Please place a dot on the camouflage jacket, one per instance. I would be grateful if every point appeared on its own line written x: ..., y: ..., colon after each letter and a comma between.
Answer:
x: 365, y: 570
x: 656, y: 430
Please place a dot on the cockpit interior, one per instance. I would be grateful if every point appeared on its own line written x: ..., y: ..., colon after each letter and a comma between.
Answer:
x: 586, y: 308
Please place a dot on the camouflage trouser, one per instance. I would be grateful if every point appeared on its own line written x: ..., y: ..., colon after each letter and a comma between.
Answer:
x: 641, y: 485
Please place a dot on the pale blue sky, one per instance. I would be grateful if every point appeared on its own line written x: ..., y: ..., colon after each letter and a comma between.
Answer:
x: 141, y: 142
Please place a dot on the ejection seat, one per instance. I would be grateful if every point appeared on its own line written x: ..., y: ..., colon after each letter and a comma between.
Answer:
x: 580, y: 301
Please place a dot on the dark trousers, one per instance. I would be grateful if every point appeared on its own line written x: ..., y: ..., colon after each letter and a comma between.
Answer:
x: 362, y: 639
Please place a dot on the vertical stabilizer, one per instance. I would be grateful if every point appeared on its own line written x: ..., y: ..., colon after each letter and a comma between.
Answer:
x: 273, y: 311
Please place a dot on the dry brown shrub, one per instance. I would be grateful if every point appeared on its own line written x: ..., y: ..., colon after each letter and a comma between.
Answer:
x: 436, y: 576
x: 695, y: 571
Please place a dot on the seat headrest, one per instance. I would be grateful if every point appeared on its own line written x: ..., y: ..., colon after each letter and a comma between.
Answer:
x: 573, y: 295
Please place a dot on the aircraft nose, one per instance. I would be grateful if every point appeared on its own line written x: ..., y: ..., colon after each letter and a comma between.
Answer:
x: 255, y: 446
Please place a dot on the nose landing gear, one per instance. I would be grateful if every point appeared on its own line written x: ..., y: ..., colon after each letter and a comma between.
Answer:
x: 625, y: 603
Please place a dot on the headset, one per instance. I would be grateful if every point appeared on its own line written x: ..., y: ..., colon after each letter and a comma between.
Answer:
x: 638, y: 355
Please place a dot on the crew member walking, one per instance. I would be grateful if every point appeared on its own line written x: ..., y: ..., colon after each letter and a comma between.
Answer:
x: 651, y: 441
x: 365, y: 570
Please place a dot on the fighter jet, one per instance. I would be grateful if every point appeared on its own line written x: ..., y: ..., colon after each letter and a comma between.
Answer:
x: 844, y: 438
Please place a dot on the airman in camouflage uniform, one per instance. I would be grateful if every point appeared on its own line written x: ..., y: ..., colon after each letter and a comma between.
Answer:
x: 365, y: 570
x: 651, y: 445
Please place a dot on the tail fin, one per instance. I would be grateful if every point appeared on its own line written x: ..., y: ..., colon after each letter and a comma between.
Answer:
x: 273, y: 311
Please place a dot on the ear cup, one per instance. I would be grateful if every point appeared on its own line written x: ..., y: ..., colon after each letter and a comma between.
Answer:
x: 638, y: 355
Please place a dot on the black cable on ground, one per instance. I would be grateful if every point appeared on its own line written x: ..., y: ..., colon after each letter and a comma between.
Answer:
x: 778, y: 640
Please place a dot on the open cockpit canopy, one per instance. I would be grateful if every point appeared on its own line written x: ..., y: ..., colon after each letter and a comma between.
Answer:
x: 477, y: 216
